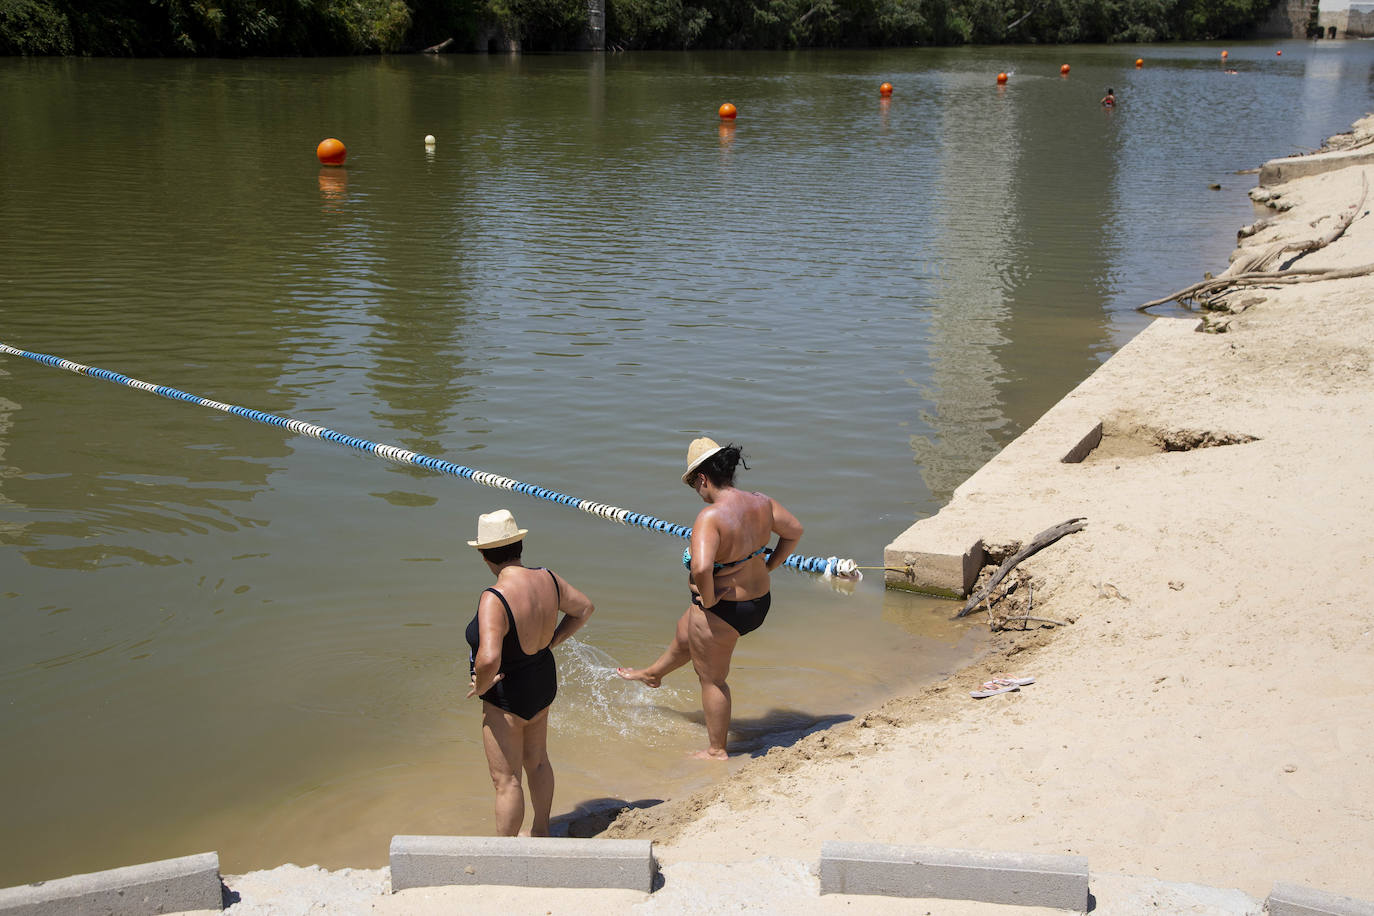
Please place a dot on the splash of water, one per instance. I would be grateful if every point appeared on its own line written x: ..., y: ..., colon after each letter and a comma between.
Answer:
x: 594, y: 700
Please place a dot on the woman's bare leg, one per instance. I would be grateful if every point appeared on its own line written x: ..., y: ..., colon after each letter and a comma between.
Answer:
x: 678, y: 653
x: 712, y: 643
x: 539, y: 772
x: 503, y: 740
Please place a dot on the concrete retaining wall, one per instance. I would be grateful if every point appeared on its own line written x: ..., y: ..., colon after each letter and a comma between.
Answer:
x: 1023, y: 879
x: 1295, y: 900
x: 169, y: 886
x: 432, y: 861
x: 1279, y: 171
x: 942, y: 555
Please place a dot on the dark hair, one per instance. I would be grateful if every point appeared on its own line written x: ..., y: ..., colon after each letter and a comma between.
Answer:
x: 720, y: 467
x: 503, y: 554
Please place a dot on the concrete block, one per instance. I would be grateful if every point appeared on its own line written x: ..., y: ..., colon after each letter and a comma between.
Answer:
x: 1296, y: 900
x: 432, y: 861
x: 169, y: 886
x: 935, y: 562
x: 1022, y: 879
x: 1085, y: 446
x: 1281, y: 171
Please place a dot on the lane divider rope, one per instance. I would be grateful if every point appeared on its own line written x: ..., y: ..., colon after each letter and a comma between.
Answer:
x: 827, y: 566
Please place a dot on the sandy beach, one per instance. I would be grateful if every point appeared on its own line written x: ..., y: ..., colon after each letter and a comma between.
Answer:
x: 1201, y: 717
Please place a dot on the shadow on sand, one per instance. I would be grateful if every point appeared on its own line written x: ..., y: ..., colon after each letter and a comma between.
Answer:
x: 592, y: 817
x: 753, y: 737
x: 775, y: 728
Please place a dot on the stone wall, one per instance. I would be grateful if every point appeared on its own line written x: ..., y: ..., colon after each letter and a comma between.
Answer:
x: 1288, y: 19
x: 1360, y: 20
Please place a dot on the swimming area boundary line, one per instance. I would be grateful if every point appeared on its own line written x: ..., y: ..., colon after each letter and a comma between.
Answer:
x: 827, y: 566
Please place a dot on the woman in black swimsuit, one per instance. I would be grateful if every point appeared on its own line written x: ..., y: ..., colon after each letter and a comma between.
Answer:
x: 729, y: 565
x: 512, y: 669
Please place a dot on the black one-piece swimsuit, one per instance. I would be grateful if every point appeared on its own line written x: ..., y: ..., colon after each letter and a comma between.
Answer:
x: 531, y: 681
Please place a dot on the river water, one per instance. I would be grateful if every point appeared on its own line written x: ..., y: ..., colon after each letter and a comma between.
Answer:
x: 221, y: 636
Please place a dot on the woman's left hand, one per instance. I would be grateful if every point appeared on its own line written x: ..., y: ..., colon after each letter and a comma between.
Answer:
x: 473, y: 692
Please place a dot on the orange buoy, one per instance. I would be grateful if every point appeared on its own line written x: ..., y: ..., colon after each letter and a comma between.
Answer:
x: 727, y: 112
x: 1064, y: 70
x: 1139, y: 62
x: 331, y: 152
x: 885, y: 89
x: 1225, y: 54
x: 1001, y: 79
x: 1278, y: 53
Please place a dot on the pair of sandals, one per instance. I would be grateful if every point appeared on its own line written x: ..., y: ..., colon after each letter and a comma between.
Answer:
x: 1001, y: 685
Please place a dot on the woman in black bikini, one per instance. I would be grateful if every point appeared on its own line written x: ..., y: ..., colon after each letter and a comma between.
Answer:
x: 729, y: 565
x: 510, y: 636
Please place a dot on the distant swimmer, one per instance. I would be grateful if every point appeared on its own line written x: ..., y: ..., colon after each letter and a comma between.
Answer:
x: 1109, y: 100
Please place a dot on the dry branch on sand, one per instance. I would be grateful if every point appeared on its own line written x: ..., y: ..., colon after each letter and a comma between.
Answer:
x: 1252, y: 269
x: 1038, y: 543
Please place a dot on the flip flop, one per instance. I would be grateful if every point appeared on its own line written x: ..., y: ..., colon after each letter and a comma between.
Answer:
x: 1008, y: 682
x: 992, y: 692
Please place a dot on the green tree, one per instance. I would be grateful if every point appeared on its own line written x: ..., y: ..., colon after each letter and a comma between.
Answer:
x: 33, y: 27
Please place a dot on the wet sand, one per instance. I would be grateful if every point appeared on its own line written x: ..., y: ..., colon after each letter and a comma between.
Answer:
x: 1202, y: 718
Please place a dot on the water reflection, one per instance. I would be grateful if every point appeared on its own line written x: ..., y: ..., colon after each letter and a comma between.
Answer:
x: 11, y: 524
x: 333, y: 188
x: 973, y: 242
x: 930, y: 618
x: 1056, y: 254
x: 1324, y: 76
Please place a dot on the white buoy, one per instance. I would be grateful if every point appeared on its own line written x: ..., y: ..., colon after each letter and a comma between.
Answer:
x: 429, y: 139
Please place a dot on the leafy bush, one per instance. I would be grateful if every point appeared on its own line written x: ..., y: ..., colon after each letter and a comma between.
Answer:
x: 297, y: 27
x: 33, y: 27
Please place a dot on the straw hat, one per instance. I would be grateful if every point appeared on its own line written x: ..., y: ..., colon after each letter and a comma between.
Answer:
x: 697, y: 452
x: 497, y: 529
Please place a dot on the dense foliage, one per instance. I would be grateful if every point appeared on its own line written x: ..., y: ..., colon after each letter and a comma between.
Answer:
x: 293, y: 27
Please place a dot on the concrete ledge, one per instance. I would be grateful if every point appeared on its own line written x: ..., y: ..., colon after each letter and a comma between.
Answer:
x: 943, y: 564
x: 432, y: 861
x: 1034, y: 483
x: 169, y: 886
x: 1279, y: 171
x: 1295, y: 900
x: 1023, y: 879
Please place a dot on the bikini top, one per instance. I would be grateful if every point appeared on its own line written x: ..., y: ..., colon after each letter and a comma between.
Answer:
x: 687, y: 558
x: 512, y: 655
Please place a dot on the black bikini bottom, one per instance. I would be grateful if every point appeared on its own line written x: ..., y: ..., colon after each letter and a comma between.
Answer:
x: 745, y: 616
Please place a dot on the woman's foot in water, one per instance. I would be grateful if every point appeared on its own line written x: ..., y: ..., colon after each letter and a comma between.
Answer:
x: 641, y: 675
x: 710, y: 753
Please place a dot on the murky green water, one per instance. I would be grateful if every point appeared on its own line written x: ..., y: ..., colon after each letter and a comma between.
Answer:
x: 220, y: 636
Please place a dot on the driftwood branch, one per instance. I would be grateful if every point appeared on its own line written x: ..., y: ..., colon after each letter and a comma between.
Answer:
x: 1251, y: 269
x: 1268, y: 255
x: 1041, y: 541
x: 440, y: 47
x: 1208, y: 289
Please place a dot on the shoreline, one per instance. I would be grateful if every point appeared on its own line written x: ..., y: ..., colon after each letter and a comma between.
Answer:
x: 1189, y: 722
x: 1198, y: 720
